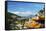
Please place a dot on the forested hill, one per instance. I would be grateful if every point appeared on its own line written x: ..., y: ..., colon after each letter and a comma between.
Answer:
x: 10, y: 18
x: 11, y: 14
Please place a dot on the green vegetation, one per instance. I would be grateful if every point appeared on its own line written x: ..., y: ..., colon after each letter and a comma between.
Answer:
x: 12, y: 21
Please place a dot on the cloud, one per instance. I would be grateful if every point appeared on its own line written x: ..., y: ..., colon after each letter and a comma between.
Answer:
x: 21, y: 13
x: 27, y: 12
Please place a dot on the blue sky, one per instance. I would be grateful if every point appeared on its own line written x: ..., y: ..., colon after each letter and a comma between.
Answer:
x: 24, y: 9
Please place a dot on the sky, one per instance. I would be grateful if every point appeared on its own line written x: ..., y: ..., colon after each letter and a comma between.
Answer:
x: 23, y: 8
